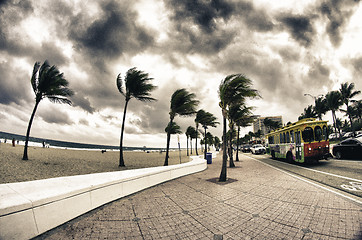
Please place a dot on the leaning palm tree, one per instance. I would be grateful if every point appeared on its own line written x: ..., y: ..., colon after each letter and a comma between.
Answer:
x: 188, y: 135
x: 136, y: 85
x: 347, y: 93
x: 183, y: 103
x: 243, y: 118
x: 47, y: 82
x: 194, y: 135
x: 333, y: 102
x: 206, y: 119
x: 173, y: 128
x: 233, y: 89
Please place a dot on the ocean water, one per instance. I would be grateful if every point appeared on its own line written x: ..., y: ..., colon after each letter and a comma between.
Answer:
x: 38, y: 142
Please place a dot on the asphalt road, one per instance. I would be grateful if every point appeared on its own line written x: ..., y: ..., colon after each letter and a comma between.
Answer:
x: 345, y: 175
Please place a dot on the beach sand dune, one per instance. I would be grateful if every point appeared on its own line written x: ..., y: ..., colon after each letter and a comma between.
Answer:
x: 52, y: 162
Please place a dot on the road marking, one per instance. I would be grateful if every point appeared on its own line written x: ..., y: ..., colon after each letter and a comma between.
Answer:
x: 305, y: 180
x: 355, y: 187
x: 330, y: 174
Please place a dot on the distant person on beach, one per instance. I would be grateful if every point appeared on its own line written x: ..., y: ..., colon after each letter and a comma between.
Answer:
x: 13, y: 142
x: 43, y: 144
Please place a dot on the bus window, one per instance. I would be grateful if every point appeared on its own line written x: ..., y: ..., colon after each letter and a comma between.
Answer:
x: 325, y: 132
x: 318, y: 133
x: 308, y: 135
x: 284, y: 139
x: 297, y: 138
x: 287, y: 137
x: 281, y: 138
x: 292, y: 136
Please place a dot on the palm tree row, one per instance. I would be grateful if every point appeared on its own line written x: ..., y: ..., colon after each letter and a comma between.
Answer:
x: 333, y: 102
x: 233, y: 91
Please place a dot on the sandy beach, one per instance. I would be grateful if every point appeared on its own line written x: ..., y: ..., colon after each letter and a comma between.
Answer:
x: 52, y: 162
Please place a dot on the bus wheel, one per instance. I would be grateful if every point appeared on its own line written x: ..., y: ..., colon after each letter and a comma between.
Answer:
x: 289, y: 157
x: 273, y: 154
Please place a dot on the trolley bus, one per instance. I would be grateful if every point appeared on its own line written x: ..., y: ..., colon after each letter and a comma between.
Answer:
x: 302, y: 141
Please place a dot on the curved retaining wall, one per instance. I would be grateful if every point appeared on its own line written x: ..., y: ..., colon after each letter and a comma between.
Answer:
x: 28, y: 209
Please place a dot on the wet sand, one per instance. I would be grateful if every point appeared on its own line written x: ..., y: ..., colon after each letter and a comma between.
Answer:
x: 52, y: 162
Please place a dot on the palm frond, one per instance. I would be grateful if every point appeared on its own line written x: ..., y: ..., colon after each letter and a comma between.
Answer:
x: 173, y: 128
x: 54, y: 99
x: 34, y: 78
x: 119, y: 83
x: 183, y: 102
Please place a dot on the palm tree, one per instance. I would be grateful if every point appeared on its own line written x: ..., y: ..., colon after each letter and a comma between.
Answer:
x: 320, y: 107
x: 357, y: 110
x: 183, y: 103
x: 206, y: 119
x: 193, y: 135
x: 136, y: 85
x: 347, y: 93
x: 188, y: 135
x: 175, y: 129
x: 217, y: 143
x: 232, y: 90
x: 308, y: 113
x: 333, y: 102
x: 243, y: 118
x: 47, y: 82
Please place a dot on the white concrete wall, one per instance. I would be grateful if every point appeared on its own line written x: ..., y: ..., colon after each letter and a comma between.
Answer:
x: 28, y: 209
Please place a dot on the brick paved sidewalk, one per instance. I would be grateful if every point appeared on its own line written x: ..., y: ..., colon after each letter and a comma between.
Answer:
x: 262, y: 203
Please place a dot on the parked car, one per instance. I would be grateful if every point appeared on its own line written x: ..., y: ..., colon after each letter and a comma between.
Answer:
x: 246, y: 148
x: 334, y: 136
x: 258, y: 149
x: 347, y: 135
x: 348, y: 148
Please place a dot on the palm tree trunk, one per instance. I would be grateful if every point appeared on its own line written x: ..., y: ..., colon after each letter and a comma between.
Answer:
x: 223, y: 174
x: 187, y: 145
x: 197, y: 133
x: 191, y: 145
x: 205, y: 145
x: 121, y: 160
x: 25, y: 155
x: 168, y: 143
x: 231, y: 163
x: 237, y: 146
x: 334, y: 122
x: 350, y: 120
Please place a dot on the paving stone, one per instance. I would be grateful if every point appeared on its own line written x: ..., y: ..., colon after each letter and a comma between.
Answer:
x: 262, y: 203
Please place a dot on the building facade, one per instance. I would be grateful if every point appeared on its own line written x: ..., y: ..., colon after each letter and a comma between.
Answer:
x: 259, y: 124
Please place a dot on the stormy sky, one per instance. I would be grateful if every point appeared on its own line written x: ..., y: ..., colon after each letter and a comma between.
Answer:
x: 288, y: 48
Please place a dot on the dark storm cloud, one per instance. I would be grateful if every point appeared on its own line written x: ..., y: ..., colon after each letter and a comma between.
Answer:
x: 12, y: 85
x: 10, y: 15
x: 338, y: 13
x: 318, y: 74
x: 202, y: 13
x: 300, y: 28
x: 83, y: 102
x: 254, y: 19
x: 113, y: 34
x: 53, y: 114
x: 202, y: 26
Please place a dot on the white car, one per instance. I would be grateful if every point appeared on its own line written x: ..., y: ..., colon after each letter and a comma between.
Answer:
x: 258, y: 149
